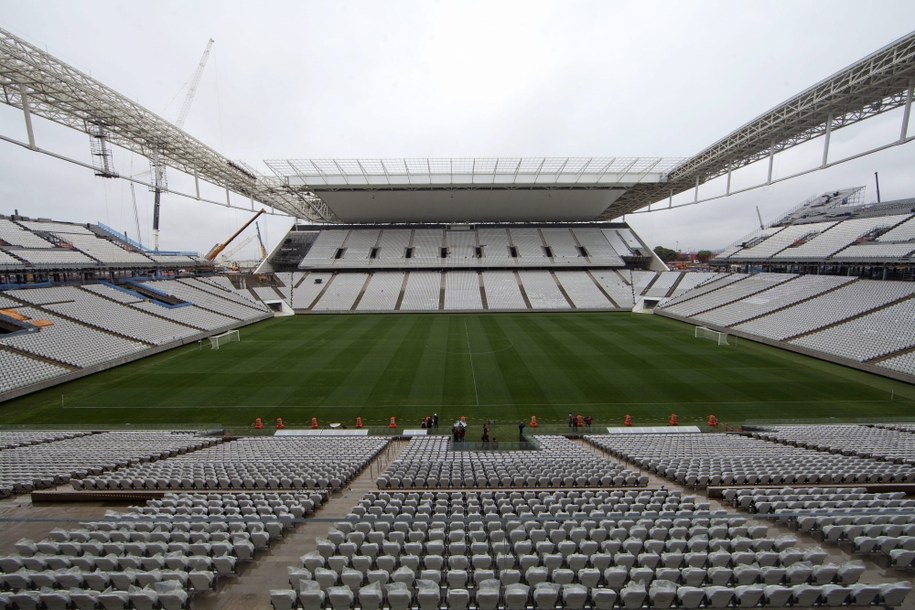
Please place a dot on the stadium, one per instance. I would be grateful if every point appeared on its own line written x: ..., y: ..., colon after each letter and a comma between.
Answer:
x: 458, y: 382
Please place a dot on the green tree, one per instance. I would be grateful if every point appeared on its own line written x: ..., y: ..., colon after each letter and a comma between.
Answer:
x: 665, y: 254
x: 704, y: 256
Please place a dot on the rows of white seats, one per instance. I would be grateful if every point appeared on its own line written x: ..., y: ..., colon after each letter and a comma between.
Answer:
x: 222, y: 286
x: 376, y: 247
x: 151, y: 557
x: 838, y: 237
x: 617, y: 286
x: 69, y: 342
x: 305, y: 293
x: 692, y: 280
x: 882, y: 523
x: 192, y: 315
x: 342, y: 292
x: 598, y: 549
x: 876, y: 334
x: 599, y: 250
x: 781, y: 239
x: 10, y: 439
x: 382, y: 291
x: 8, y: 260
x: 661, y: 286
x: 92, y: 309
x: 432, y: 462
x: 55, y: 227
x: 104, y: 251
x: 52, y: 256
x: 848, y: 439
x: 541, y: 290
x: 901, y: 232
x: 423, y: 291
x: 701, y: 460
x: 18, y: 371
x: 716, y: 283
x: 782, y: 295
x: 462, y: 291
x: 745, y: 287
x: 852, y: 299
x: 188, y: 315
x: 251, y: 463
x: 15, y: 235
x: 266, y: 293
x: 582, y: 290
x: 904, y: 363
x: 53, y: 463
x: 502, y: 291
x: 875, y: 250
x: 207, y: 300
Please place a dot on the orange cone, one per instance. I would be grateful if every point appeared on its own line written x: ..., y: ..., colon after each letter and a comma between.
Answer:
x: 712, y: 421
x: 393, y: 423
x: 580, y: 421
x: 672, y: 420
x: 358, y: 422
x: 279, y: 423
x: 627, y: 421
x: 258, y: 424
x: 533, y: 423
x: 314, y: 423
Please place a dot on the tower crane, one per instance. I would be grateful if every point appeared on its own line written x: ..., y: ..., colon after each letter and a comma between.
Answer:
x: 157, y: 166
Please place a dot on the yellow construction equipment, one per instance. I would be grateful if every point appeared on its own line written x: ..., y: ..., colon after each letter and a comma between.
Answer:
x: 214, y: 252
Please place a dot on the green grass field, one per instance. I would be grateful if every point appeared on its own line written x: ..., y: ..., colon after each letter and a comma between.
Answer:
x: 500, y: 366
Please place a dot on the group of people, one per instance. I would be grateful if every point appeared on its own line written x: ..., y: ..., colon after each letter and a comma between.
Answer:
x: 430, y: 422
x: 577, y: 421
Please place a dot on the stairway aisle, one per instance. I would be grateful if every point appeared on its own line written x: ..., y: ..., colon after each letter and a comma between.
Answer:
x: 250, y: 590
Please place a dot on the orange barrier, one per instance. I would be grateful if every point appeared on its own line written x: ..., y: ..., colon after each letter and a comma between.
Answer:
x: 279, y: 423
x: 533, y: 423
x: 712, y: 421
x: 627, y: 421
x: 393, y: 423
x: 672, y: 420
x: 358, y: 422
x: 258, y: 424
x: 314, y: 423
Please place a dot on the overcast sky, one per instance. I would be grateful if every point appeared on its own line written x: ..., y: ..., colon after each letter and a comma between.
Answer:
x: 451, y: 79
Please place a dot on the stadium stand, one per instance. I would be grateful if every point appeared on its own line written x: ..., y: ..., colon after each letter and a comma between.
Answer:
x: 382, y: 291
x: 156, y: 556
x: 72, y: 457
x: 19, y: 371
x: 700, y: 460
x: 582, y: 290
x: 462, y: 291
x: 250, y: 463
x: 503, y: 291
x: 341, y: 292
x: 422, y: 292
x: 849, y: 439
x: 868, y: 523
x: 574, y: 549
x: 431, y: 462
x: 542, y: 290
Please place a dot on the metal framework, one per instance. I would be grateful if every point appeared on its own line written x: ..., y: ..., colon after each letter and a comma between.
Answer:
x: 468, y: 173
x: 42, y: 85
x: 880, y: 82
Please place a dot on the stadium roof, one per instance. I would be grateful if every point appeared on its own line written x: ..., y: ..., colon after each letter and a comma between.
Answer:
x: 470, y: 190
x: 453, y: 190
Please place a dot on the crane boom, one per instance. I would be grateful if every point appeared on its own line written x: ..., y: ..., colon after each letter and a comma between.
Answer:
x: 212, y: 254
x: 192, y: 87
x: 160, y: 182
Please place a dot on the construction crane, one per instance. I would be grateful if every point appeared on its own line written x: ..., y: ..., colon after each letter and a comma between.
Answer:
x: 260, y: 241
x: 215, y: 250
x: 159, y: 180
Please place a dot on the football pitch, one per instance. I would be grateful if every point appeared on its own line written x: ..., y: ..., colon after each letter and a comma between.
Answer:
x: 505, y: 367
